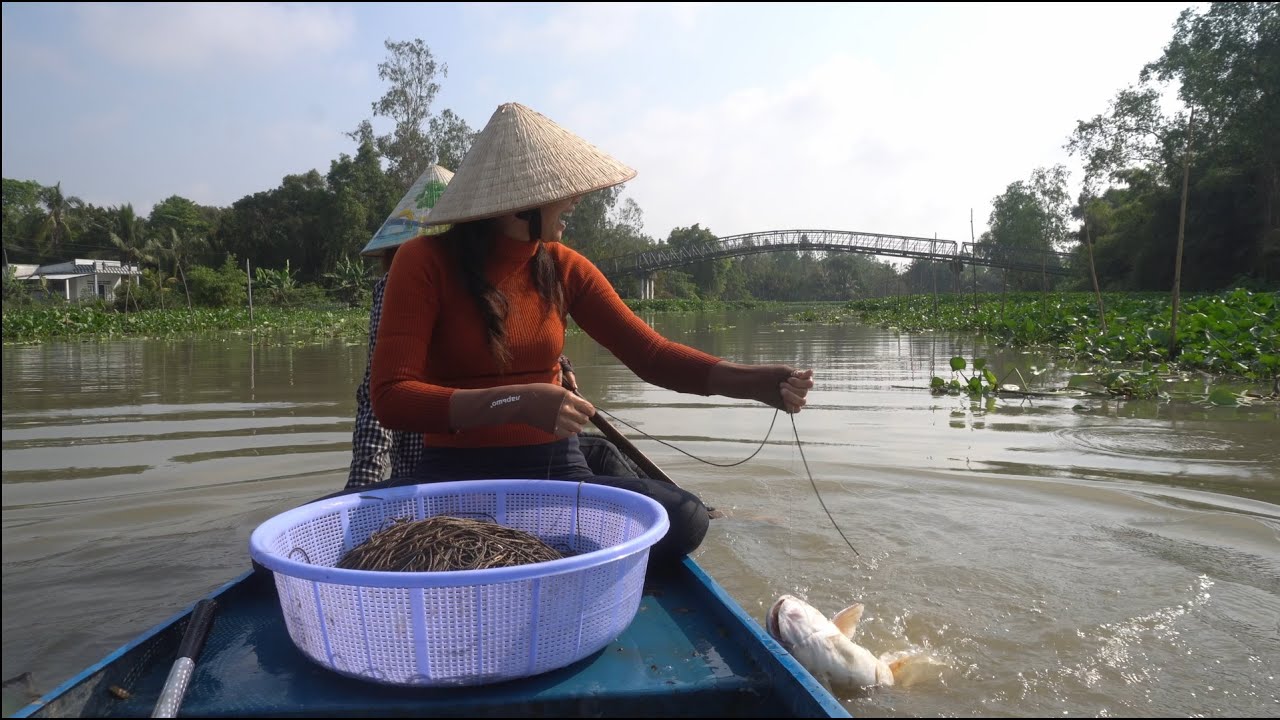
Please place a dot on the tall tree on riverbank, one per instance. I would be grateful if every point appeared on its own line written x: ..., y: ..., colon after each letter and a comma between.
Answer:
x: 418, y: 138
x: 55, y: 225
x: 1225, y: 63
x: 1029, y: 220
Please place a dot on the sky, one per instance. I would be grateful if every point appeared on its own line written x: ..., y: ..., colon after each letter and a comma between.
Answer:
x: 884, y: 118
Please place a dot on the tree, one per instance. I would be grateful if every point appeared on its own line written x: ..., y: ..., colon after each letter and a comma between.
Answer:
x: 361, y: 196
x: 177, y: 249
x: 1084, y: 210
x: 710, y: 275
x: 347, y: 231
x: 1131, y: 132
x: 1226, y: 61
x: 283, y: 224
x: 411, y: 70
x: 1015, y: 224
x: 21, y: 203
x: 55, y: 226
x: 371, y: 188
x: 349, y: 281
x: 1050, y: 188
x: 601, y: 228
x: 126, y: 234
x: 13, y: 289
x: 178, y: 214
x: 451, y: 138
x: 1227, y: 64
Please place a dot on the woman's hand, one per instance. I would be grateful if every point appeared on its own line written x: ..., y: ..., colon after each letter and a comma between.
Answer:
x: 794, y: 390
x: 575, y: 413
x: 779, y: 386
x: 545, y: 406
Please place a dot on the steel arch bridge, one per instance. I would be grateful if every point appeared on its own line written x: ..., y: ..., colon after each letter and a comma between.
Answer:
x: 958, y: 255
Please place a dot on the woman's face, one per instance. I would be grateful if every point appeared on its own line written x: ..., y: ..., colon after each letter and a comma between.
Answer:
x: 554, y: 216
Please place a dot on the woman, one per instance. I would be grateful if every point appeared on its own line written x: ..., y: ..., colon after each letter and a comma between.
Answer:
x: 374, y: 448
x: 473, y: 323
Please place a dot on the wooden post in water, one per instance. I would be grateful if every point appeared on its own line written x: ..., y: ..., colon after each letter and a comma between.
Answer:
x: 1004, y: 290
x: 250, y: 276
x: 973, y: 244
x: 933, y: 270
x: 1182, y: 229
x: 1093, y: 273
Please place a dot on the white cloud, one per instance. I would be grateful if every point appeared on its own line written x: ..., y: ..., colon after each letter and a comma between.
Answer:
x: 686, y: 16
x: 815, y: 153
x: 28, y: 58
x: 902, y: 145
x: 593, y: 29
x: 101, y: 125
x: 196, y: 36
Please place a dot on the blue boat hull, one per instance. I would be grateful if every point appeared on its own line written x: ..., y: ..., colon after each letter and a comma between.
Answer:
x: 691, y: 651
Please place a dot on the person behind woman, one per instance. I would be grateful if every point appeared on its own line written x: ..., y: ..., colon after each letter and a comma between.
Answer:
x: 474, y: 319
x: 374, y: 448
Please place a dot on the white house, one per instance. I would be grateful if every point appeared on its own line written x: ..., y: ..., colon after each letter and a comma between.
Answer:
x: 22, y: 271
x: 79, y: 279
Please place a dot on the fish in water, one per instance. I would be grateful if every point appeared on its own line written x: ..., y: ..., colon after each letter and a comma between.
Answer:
x: 826, y: 648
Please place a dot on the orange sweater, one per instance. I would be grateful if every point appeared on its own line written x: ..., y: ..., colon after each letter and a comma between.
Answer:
x: 432, y: 339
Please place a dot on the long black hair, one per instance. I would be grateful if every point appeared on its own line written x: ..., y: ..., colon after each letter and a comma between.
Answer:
x: 472, y: 243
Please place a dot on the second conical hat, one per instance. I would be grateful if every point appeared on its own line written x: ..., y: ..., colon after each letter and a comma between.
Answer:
x: 409, y: 219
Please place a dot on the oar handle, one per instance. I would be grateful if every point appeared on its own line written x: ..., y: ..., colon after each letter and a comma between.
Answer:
x: 175, y: 686
x: 621, y: 440
x: 626, y: 446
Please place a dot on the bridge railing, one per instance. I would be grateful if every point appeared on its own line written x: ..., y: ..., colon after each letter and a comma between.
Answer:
x: 1017, y: 258
x: 666, y: 256
x: 750, y: 243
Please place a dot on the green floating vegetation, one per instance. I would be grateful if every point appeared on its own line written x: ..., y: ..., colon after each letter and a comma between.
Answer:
x: 1233, y: 333
x: 70, y: 321
x: 983, y: 382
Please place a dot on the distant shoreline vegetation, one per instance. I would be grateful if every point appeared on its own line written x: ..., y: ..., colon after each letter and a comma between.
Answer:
x: 1235, y: 332
x: 32, y: 323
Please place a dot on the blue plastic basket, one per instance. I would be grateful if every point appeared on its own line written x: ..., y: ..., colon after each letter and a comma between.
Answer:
x: 464, y: 627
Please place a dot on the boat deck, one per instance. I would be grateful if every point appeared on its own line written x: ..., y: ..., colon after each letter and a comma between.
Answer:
x: 689, y: 652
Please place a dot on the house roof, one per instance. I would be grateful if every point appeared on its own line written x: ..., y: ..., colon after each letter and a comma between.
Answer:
x: 80, y: 267
x: 59, y: 276
x: 108, y: 269
x: 22, y: 271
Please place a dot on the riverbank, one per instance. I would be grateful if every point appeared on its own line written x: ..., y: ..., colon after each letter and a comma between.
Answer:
x: 1230, y: 333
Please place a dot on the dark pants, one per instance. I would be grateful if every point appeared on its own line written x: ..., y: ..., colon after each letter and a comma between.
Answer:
x: 564, y: 460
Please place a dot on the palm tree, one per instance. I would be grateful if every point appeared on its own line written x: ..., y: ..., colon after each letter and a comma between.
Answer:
x: 130, y: 242
x: 55, y: 227
x: 178, y: 251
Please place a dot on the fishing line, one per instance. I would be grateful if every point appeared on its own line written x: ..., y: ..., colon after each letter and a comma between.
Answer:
x: 695, y: 457
x: 577, y: 502
x: 815, y: 489
x: 799, y: 445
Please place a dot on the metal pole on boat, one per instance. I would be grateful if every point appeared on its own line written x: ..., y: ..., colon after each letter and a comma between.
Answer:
x: 175, y: 686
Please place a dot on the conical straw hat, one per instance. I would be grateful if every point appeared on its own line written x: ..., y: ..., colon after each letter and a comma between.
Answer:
x: 409, y: 219
x: 523, y: 160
